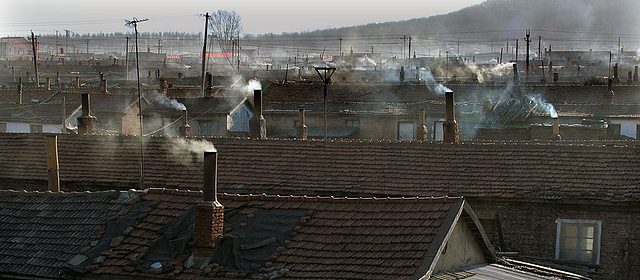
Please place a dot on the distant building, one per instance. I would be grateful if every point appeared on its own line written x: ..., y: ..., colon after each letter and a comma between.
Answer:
x: 15, y: 48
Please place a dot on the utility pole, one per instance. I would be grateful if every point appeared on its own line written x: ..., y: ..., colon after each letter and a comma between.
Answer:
x: 409, y: 53
x: 517, y: 45
x: 458, y: 47
x: 159, y: 45
x: 56, y: 51
x: 340, y: 48
x: 66, y: 41
x: 87, y: 45
x: 528, y: 40
x: 126, y: 59
x: 135, y: 22
x: 328, y: 72
x: 34, y: 47
x: 204, y: 51
x: 540, y: 47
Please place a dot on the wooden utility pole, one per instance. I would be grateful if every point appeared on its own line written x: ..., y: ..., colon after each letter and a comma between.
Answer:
x: 34, y: 44
x: 527, y: 39
x: 126, y: 59
x: 204, y: 50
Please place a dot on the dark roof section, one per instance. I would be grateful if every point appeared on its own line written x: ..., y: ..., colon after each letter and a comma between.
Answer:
x: 316, y: 237
x: 41, y: 232
x: 554, y: 170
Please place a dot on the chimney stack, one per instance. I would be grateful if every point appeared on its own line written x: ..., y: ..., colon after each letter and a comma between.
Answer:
x: 450, y: 126
x: 53, y: 171
x: 257, y: 124
x: 556, y: 129
x: 185, y: 129
x: 402, y: 73
x: 635, y: 74
x: 616, y: 77
x: 421, y: 130
x: 630, y: 77
x: 303, y: 130
x: 77, y: 82
x: 209, y: 214
x: 86, y: 120
x: 48, y: 84
x: 20, y: 90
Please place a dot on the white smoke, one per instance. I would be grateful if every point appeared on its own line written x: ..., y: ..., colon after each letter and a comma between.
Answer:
x: 186, y: 150
x: 486, y: 74
x: 246, y: 88
x: 430, y: 81
x: 167, y: 102
x: 544, y: 105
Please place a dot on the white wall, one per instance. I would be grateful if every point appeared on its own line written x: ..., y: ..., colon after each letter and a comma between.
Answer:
x: 627, y: 127
x: 26, y: 128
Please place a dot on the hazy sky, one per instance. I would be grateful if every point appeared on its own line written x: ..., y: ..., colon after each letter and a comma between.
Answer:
x: 19, y: 17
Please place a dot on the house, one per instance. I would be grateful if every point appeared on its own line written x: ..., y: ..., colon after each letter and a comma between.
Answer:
x: 524, y: 193
x: 157, y: 234
x: 208, y: 116
x: 39, y: 110
x: 391, y: 110
x: 15, y: 48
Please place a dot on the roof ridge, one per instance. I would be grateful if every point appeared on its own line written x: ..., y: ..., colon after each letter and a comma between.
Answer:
x: 306, y: 198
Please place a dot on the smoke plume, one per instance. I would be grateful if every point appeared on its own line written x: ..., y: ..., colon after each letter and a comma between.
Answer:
x: 167, y: 102
x: 239, y: 84
x: 181, y: 148
x: 430, y: 81
x: 544, y: 105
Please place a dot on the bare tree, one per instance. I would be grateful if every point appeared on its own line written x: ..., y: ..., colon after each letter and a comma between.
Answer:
x: 226, y: 25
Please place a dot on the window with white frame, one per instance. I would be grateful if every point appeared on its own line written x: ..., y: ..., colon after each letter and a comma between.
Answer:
x: 578, y: 240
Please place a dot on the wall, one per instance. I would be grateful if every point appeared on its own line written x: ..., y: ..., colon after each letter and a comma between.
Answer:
x: 627, y: 127
x: 530, y: 229
x: 462, y: 250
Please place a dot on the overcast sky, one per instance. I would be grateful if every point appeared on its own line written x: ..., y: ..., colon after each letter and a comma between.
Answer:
x: 19, y: 17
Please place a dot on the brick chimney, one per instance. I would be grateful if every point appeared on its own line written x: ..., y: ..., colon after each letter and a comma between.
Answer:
x: 302, y: 129
x: 421, y: 130
x: 209, y: 214
x: 185, y: 129
x: 616, y: 77
x: 635, y: 74
x: 402, y: 73
x: 53, y: 171
x: 257, y: 124
x: 86, y: 120
x: 450, y: 126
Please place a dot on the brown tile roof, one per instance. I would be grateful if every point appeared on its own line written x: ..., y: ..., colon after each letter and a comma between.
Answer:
x: 330, y: 238
x: 576, y: 170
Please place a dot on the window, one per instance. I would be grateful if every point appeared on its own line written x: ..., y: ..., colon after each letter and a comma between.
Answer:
x: 36, y: 128
x: 614, y: 129
x: 406, y: 130
x: 578, y: 240
x: 352, y: 123
x: 3, y: 127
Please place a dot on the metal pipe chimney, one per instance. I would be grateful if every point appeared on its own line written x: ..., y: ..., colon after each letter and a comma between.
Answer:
x: 257, y: 124
x: 450, y: 126
x: 210, y: 176
x: 185, y: 129
x: 53, y: 170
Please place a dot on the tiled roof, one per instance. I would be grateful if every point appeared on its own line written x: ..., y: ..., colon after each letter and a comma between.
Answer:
x: 331, y: 238
x: 554, y: 170
x: 413, y: 92
x: 198, y: 108
x: 40, y: 232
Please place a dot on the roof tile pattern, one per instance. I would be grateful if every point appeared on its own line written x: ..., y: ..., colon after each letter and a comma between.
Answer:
x: 600, y: 170
x: 40, y: 232
x: 341, y: 238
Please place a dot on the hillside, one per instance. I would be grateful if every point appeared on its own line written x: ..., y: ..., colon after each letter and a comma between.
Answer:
x: 573, y: 20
